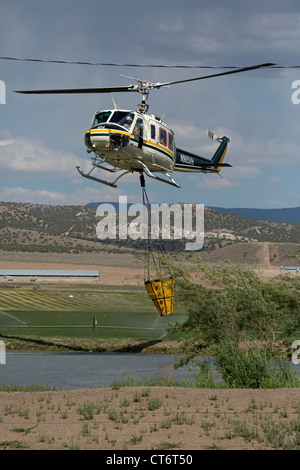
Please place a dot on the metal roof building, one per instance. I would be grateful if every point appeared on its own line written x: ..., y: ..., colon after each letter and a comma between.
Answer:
x: 48, y: 274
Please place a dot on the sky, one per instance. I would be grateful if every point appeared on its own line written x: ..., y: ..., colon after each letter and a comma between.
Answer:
x: 42, y: 136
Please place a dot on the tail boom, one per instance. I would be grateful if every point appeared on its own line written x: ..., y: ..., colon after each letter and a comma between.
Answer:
x: 190, y: 162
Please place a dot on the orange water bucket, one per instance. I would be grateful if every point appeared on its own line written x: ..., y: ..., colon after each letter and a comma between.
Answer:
x: 162, y: 295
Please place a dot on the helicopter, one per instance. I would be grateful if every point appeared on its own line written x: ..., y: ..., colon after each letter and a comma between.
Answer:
x: 126, y: 141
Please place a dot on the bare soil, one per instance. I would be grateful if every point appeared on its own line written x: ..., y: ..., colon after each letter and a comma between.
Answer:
x: 148, y: 418
x: 114, y: 268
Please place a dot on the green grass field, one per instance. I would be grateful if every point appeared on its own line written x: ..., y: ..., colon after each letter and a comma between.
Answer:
x: 70, y: 313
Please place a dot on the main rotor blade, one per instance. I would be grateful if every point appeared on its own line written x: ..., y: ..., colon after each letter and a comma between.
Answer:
x: 83, y: 90
x: 137, y: 88
x: 244, y: 69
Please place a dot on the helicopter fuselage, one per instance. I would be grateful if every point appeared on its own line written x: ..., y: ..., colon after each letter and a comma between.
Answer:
x: 130, y: 140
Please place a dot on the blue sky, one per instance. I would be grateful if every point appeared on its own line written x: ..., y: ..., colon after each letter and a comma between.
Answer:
x: 42, y: 136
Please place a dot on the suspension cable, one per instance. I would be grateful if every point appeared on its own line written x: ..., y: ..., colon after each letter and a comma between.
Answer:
x: 148, y: 247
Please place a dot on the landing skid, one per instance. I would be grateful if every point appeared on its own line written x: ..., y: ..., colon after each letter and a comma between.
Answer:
x: 144, y: 169
x: 88, y: 175
x: 171, y: 182
x: 151, y: 175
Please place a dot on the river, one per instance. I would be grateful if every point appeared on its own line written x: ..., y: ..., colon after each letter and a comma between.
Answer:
x: 79, y: 370
x: 69, y: 370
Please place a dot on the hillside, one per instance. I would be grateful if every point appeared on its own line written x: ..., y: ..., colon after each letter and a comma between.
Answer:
x: 251, y: 230
x: 291, y: 214
x: 72, y: 229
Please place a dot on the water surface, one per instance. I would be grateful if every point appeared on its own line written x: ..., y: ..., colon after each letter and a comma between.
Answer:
x: 69, y: 370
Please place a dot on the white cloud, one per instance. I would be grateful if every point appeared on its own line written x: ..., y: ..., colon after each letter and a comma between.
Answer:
x: 195, y: 139
x: 275, y: 179
x: 214, y: 182
x: 257, y: 153
x: 79, y: 197
x: 230, y: 178
x: 281, y: 28
x: 43, y: 196
x: 275, y: 203
x: 6, y: 142
x: 241, y: 172
x: 266, y: 152
x: 21, y: 155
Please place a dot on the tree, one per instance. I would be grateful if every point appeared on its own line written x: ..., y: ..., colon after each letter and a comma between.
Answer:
x: 231, y: 304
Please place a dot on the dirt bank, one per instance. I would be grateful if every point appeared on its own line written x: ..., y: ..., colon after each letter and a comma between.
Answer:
x: 150, y: 418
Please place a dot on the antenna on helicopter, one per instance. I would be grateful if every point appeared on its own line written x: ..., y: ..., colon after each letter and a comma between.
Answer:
x: 114, y: 103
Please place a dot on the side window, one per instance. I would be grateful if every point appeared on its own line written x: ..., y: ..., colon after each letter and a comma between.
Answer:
x: 153, y: 133
x: 171, y: 142
x: 163, y: 136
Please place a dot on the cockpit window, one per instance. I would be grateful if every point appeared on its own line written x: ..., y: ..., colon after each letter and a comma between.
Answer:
x: 124, y: 118
x: 101, y: 117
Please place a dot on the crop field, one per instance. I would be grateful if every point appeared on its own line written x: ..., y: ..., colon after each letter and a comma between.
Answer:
x: 71, y: 313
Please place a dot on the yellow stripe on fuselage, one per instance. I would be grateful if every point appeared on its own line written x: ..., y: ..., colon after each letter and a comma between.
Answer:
x: 108, y: 131
x: 147, y: 142
x: 160, y: 147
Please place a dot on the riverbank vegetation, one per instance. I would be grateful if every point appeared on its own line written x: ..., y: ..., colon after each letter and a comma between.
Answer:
x: 248, y: 324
